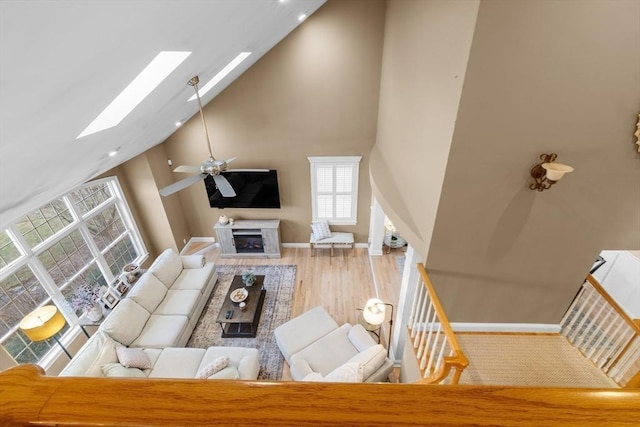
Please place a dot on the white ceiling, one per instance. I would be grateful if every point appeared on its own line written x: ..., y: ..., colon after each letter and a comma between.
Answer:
x: 63, y: 61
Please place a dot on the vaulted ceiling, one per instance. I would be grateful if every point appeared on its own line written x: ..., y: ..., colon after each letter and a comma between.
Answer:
x: 62, y: 62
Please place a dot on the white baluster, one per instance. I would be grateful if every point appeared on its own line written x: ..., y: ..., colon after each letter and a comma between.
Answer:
x: 432, y: 350
x: 603, y: 335
x: 601, y: 357
x: 423, y: 333
x: 594, y: 327
x: 421, y: 319
x: 441, y: 353
x: 620, y: 344
x: 584, y: 320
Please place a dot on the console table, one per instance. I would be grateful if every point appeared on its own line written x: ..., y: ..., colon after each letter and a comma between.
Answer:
x: 249, y: 238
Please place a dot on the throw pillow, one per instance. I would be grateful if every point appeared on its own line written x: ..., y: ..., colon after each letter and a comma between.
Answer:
x: 213, y: 367
x: 117, y: 370
x: 228, y: 373
x: 321, y: 230
x: 133, y: 358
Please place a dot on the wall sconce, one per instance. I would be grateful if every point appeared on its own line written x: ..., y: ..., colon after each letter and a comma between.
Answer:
x: 546, y: 173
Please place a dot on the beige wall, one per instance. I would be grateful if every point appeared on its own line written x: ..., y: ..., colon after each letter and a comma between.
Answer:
x: 425, y: 55
x: 161, y: 221
x: 543, y: 76
x: 314, y: 94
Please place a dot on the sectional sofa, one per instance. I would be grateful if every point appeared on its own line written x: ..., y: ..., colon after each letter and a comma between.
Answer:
x: 158, y: 316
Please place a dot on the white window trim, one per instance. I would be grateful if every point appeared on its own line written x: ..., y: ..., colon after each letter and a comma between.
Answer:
x: 29, y: 256
x: 353, y: 161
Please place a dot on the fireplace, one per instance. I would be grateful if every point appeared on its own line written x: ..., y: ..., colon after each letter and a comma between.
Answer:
x: 248, y: 241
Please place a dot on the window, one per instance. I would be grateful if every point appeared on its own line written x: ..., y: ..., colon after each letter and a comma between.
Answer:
x: 334, y: 189
x: 86, y: 236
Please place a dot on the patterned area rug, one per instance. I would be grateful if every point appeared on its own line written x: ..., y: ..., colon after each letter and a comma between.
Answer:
x: 278, y: 281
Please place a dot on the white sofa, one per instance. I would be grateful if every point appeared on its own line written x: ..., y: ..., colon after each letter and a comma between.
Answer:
x: 159, y: 315
x: 100, y: 351
x: 313, y: 344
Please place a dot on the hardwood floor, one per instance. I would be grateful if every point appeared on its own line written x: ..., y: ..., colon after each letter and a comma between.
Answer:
x: 340, y: 284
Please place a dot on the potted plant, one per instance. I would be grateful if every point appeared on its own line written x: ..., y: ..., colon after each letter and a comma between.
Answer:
x: 248, y: 278
x: 85, y: 298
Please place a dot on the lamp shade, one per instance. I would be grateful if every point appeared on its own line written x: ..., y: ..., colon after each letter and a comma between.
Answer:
x: 374, y: 311
x: 42, y: 323
x: 555, y: 171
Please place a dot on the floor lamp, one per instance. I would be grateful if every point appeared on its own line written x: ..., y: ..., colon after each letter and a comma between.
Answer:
x: 43, y: 323
x: 374, y: 312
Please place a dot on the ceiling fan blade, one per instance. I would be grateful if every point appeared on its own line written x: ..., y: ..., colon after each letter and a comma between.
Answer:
x: 188, y: 169
x: 182, y: 184
x: 223, y: 186
x: 247, y: 170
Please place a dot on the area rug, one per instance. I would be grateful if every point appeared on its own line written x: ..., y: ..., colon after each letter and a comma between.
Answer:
x: 279, y: 281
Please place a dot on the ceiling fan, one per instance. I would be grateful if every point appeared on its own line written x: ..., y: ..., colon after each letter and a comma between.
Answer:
x: 210, y: 166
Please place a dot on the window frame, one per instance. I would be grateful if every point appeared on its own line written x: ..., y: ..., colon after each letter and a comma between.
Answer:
x: 29, y: 257
x: 334, y: 161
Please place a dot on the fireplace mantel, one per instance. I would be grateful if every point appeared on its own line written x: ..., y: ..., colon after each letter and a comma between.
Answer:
x: 249, y: 238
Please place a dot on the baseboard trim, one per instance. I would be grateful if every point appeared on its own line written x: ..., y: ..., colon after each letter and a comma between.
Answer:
x: 541, y: 328
x: 306, y: 245
x: 295, y: 245
x: 375, y: 252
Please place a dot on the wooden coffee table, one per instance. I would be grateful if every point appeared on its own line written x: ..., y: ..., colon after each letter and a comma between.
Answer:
x: 243, y: 323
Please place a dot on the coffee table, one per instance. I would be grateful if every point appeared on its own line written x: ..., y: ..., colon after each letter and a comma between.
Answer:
x: 243, y: 323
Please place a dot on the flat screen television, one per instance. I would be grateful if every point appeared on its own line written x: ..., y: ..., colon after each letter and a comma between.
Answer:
x: 254, y: 190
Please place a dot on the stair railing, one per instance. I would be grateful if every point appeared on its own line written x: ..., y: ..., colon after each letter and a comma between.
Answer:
x: 597, y: 326
x: 440, y: 359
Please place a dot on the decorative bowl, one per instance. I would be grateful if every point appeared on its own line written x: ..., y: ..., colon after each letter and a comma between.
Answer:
x: 131, y: 268
x: 239, y: 295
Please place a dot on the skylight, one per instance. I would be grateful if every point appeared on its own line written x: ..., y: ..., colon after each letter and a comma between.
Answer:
x: 222, y: 74
x: 148, y: 79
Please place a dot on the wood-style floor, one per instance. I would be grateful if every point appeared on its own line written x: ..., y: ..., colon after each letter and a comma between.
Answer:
x: 341, y: 284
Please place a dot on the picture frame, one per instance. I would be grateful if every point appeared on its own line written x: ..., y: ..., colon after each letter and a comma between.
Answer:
x: 110, y: 298
x: 120, y: 287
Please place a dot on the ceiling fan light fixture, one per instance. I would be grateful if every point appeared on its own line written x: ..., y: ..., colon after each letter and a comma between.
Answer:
x: 149, y: 78
x: 221, y: 74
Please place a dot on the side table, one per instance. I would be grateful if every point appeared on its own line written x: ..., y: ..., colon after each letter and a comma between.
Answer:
x: 85, y: 321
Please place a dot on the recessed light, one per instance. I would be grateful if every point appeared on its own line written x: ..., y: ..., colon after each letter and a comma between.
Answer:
x: 221, y: 74
x: 178, y: 124
x: 148, y: 79
x: 113, y: 153
x: 302, y: 17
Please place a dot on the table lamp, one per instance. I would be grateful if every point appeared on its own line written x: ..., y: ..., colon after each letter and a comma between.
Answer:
x: 43, y: 323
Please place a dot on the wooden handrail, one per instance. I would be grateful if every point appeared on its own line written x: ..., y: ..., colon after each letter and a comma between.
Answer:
x: 598, y: 287
x: 27, y: 397
x: 458, y: 361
